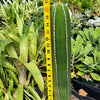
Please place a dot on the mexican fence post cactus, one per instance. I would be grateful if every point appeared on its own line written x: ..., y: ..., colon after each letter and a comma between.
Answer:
x: 61, y: 51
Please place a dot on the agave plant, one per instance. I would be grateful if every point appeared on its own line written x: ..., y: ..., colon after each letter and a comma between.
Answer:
x: 19, y: 53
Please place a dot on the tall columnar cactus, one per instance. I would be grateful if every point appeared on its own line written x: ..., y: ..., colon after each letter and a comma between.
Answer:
x: 61, y: 51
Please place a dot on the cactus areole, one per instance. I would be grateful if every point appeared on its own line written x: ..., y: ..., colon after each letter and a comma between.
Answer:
x: 61, y: 51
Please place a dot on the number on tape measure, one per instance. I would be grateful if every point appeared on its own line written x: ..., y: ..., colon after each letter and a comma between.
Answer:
x: 47, y: 32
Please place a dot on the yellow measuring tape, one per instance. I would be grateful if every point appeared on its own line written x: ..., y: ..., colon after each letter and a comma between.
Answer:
x: 46, y: 8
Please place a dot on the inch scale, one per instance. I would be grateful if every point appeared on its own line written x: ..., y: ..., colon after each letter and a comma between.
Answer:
x: 46, y: 9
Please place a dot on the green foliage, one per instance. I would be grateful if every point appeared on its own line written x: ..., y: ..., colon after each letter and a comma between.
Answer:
x: 86, y: 53
x: 32, y: 91
x: 82, y: 5
x: 36, y: 74
x: 20, y: 56
x: 95, y: 76
x: 20, y: 92
x: 91, y: 35
x: 1, y: 96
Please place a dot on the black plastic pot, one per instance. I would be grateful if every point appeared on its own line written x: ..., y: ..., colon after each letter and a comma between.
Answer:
x: 93, y: 92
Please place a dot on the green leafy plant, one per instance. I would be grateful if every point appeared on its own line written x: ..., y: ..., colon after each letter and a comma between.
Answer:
x: 91, y: 35
x: 85, y: 53
x: 20, y: 54
x: 82, y: 5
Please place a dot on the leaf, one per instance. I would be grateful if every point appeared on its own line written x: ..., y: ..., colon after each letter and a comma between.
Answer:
x: 9, y: 95
x: 82, y: 68
x: 32, y: 41
x: 4, y: 44
x: 20, y: 92
x: 98, y: 68
x: 32, y: 67
x: 96, y: 54
x: 34, y: 93
x: 87, y: 35
x: 80, y: 56
x: 24, y: 49
x: 6, y: 96
x: 1, y: 84
x: 96, y: 33
x: 20, y: 25
x: 11, y: 51
x: 29, y: 95
x: 10, y: 89
x: 41, y: 49
x: 82, y: 34
x: 78, y: 45
x: 11, y: 84
x: 88, y: 60
x: 90, y: 32
x: 2, y: 37
x: 12, y: 24
x: 88, y: 48
x: 1, y: 60
x: 80, y: 73
x: 14, y: 37
x: 10, y: 34
x: 98, y: 57
x: 11, y: 27
x: 13, y: 75
x: 95, y: 76
x: 1, y: 95
x: 9, y: 66
x: 3, y: 74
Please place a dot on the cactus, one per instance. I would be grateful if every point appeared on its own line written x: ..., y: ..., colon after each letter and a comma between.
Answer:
x: 61, y: 51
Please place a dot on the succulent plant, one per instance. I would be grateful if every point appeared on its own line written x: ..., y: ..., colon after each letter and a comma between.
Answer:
x: 61, y: 51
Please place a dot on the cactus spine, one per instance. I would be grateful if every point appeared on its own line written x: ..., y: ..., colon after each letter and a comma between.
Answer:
x: 61, y: 51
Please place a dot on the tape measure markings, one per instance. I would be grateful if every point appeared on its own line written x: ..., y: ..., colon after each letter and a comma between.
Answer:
x: 46, y: 8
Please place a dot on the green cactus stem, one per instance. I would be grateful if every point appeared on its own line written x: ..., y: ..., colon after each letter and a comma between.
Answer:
x: 61, y: 51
